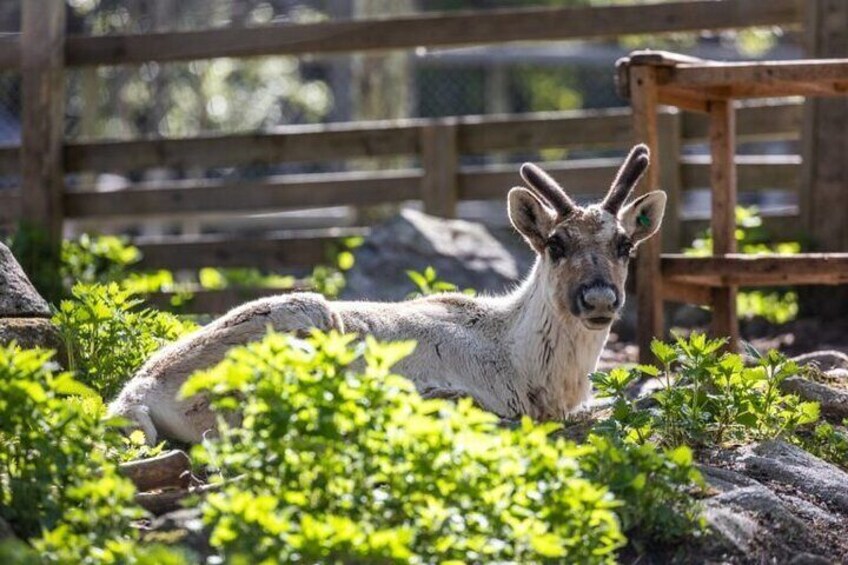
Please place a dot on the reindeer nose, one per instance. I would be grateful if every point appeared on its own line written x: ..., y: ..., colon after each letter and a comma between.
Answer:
x: 598, y: 298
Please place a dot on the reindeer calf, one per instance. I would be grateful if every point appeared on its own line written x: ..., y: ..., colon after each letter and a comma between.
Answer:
x: 528, y: 352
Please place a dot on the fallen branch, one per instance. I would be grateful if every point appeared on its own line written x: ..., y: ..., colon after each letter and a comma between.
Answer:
x: 169, y: 469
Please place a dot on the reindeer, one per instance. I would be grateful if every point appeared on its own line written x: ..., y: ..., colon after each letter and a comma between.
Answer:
x: 528, y: 352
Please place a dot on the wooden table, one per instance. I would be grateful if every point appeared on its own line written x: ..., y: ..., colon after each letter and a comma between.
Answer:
x: 653, y: 78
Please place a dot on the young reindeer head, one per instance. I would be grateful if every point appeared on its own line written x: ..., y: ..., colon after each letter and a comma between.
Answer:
x: 584, y: 251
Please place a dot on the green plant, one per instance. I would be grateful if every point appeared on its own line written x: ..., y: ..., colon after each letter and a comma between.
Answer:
x: 707, y: 397
x: 108, y: 336
x: 339, y: 462
x: 97, y: 259
x: 829, y: 442
x: 776, y: 306
x: 656, y: 487
x: 428, y: 282
x: 59, y: 489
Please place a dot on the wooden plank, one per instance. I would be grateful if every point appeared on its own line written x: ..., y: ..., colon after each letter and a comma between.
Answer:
x: 297, y: 143
x: 481, y: 134
x: 10, y: 206
x: 758, y: 270
x: 643, y: 98
x: 583, y: 177
x: 276, y: 193
x: 722, y: 132
x: 825, y: 150
x: 732, y: 75
x: 10, y: 160
x: 440, y: 161
x: 780, y: 228
x: 10, y: 51
x: 755, y: 122
x: 686, y: 293
x: 432, y: 30
x: 754, y: 172
x: 475, y: 134
x: 670, y: 177
x: 43, y: 117
x: 270, y: 251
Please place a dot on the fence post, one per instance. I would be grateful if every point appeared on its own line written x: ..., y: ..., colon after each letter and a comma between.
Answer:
x: 824, y: 182
x: 670, y: 137
x: 440, y: 161
x: 42, y: 125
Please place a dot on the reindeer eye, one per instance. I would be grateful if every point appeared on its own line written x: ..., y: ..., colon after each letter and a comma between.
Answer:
x: 557, y: 248
x: 623, y: 248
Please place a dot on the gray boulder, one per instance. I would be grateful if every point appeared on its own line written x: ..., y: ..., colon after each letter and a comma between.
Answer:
x: 18, y: 298
x: 464, y: 253
x: 24, y: 314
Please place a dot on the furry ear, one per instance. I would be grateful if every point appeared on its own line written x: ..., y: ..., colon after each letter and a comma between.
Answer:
x: 530, y: 217
x: 642, y: 218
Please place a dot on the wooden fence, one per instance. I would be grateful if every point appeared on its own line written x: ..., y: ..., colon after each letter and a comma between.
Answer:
x: 439, y: 182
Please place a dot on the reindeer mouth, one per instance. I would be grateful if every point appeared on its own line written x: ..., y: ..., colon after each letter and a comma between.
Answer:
x: 597, y: 322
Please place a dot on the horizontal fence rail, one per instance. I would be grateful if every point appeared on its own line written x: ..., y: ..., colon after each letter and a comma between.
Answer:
x: 432, y: 30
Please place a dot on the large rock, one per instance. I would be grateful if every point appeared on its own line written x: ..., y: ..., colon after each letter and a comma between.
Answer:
x: 24, y: 314
x: 18, y: 298
x: 464, y: 253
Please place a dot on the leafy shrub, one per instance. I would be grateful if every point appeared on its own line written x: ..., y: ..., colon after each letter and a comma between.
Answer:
x: 58, y: 487
x: 344, y: 463
x: 108, y: 336
x: 97, y: 259
x: 708, y: 397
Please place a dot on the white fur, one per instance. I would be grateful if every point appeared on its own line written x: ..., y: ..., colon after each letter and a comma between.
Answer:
x: 523, y: 353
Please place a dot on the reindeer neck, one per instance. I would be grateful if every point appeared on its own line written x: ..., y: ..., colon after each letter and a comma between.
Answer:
x: 556, y: 352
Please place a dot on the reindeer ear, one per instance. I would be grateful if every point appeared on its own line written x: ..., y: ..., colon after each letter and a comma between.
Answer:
x: 530, y: 217
x: 642, y: 218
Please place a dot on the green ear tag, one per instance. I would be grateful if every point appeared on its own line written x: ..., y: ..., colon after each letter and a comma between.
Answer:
x: 643, y: 220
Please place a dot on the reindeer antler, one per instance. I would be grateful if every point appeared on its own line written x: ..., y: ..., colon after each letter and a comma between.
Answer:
x: 631, y: 171
x: 548, y: 189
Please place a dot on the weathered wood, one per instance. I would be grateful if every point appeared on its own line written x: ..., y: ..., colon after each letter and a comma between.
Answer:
x: 754, y: 172
x: 169, y: 469
x: 781, y: 227
x: 440, y: 161
x: 754, y: 122
x: 432, y: 30
x: 276, y: 193
x: 773, y: 75
x: 643, y: 97
x: 43, y: 117
x: 723, y: 216
x: 758, y: 270
x: 303, y: 248
x: 580, y: 177
x: 670, y: 178
x: 686, y: 293
x: 824, y: 199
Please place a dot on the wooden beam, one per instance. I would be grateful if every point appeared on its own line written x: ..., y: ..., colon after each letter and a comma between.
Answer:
x: 670, y: 177
x: 432, y: 30
x: 440, y: 161
x: 686, y: 293
x: 754, y: 122
x: 754, y: 172
x: 757, y: 270
x: 276, y: 193
x: 643, y: 97
x: 723, y: 216
x: 270, y: 251
x: 42, y: 134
